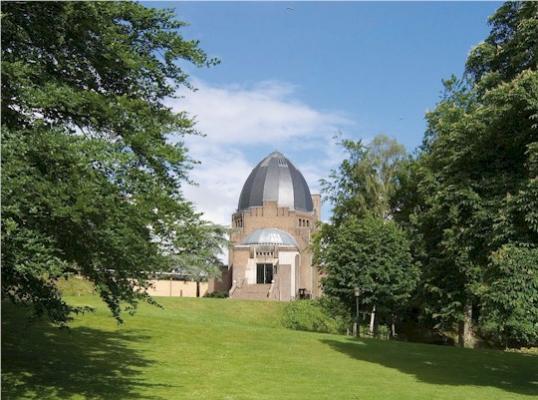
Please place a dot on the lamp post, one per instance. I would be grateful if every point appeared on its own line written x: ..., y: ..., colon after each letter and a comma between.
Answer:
x: 357, y: 312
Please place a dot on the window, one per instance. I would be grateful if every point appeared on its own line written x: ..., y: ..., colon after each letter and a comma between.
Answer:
x: 238, y: 222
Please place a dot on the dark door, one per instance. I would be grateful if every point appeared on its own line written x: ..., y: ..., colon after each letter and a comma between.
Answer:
x: 264, y: 273
x: 260, y: 273
x: 268, y: 273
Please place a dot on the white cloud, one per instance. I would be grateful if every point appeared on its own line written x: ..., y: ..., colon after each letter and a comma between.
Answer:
x: 220, y: 177
x: 263, y: 113
x: 236, y: 119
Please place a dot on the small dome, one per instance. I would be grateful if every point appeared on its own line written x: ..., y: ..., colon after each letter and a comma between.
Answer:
x: 275, y: 178
x: 270, y: 236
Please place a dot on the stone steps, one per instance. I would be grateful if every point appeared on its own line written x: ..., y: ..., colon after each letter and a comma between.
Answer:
x: 252, y: 292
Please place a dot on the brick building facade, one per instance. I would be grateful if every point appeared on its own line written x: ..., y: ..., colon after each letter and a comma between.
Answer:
x: 269, y: 255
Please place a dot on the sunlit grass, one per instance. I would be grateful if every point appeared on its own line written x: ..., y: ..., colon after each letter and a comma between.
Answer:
x: 225, y: 349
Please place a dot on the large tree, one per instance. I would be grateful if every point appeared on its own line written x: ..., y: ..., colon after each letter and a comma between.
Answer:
x: 372, y: 254
x: 362, y: 246
x: 473, y: 188
x: 91, y: 180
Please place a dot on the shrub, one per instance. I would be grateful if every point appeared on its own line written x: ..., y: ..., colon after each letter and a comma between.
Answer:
x: 383, y: 332
x: 217, y: 295
x: 336, y: 309
x: 313, y: 316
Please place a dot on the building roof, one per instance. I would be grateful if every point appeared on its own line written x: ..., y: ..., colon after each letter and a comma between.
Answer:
x: 270, y: 236
x: 275, y: 178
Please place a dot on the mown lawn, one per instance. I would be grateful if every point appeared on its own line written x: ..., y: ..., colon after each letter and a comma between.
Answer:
x: 225, y: 349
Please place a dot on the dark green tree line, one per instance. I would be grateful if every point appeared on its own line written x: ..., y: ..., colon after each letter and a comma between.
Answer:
x: 470, y: 200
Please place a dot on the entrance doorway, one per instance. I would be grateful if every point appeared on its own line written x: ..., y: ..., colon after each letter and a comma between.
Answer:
x: 264, y: 273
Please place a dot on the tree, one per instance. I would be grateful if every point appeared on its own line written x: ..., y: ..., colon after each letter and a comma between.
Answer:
x: 203, y: 244
x: 91, y: 180
x: 510, y: 48
x: 362, y: 245
x: 509, y: 312
x: 366, y: 180
x: 474, y: 188
x: 372, y: 254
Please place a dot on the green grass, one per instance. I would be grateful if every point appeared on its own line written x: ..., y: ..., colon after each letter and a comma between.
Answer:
x: 225, y: 349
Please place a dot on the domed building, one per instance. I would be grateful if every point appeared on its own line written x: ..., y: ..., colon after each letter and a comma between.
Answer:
x: 269, y: 255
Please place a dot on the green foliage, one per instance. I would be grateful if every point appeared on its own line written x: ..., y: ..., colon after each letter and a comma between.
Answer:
x: 383, y: 332
x: 509, y: 313
x: 369, y: 253
x: 473, y: 187
x: 362, y: 246
x: 103, y: 67
x: 510, y: 48
x: 202, y: 243
x: 217, y: 295
x: 91, y: 179
x: 366, y: 180
x: 313, y: 316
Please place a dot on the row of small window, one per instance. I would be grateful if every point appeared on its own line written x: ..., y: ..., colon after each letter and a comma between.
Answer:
x: 263, y: 252
x: 304, y: 222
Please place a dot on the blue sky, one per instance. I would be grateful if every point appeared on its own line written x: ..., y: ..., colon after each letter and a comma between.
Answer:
x: 293, y: 74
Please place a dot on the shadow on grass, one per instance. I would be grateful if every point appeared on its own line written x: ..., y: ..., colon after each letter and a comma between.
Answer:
x: 44, y: 362
x: 440, y: 365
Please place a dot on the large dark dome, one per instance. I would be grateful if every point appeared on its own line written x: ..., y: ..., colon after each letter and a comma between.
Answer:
x: 275, y: 178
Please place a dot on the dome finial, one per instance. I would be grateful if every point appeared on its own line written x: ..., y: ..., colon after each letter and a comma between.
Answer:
x: 275, y: 153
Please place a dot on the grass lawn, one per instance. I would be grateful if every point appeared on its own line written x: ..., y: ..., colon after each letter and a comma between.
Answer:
x: 225, y: 349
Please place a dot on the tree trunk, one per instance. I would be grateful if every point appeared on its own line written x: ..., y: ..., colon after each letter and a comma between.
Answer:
x: 466, y: 335
x: 372, y: 321
x: 393, y: 326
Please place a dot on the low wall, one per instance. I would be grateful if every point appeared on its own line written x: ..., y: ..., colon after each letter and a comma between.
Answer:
x: 175, y: 288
